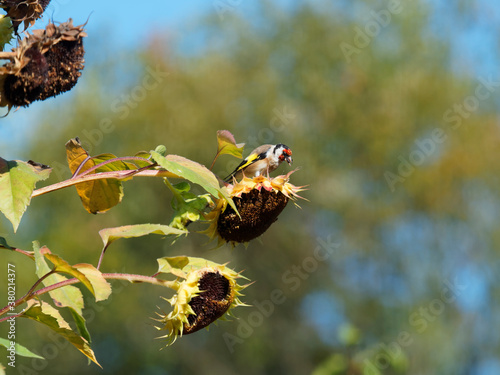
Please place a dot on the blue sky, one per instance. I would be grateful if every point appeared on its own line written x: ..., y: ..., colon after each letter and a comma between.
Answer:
x: 130, y: 21
x: 127, y: 24
x: 123, y: 26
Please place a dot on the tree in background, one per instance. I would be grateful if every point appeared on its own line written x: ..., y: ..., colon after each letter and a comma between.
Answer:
x: 390, y: 266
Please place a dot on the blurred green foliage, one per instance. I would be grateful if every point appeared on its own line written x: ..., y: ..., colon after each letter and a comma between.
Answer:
x: 400, y: 155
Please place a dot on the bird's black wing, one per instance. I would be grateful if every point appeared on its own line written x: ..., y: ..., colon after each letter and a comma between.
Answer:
x: 253, y: 158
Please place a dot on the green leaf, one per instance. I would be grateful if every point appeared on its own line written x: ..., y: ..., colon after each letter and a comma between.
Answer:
x: 173, y: 265
x: 6, y: 31
x: 182, y: 187
x: 65, y: 267
x: 20, y: 350
x: 80, y: 325
x: 145, y: 155
x: 110, y: 235
x: 69, y: 295
x: 189, y: 210
x: 100, y: 195
x: 101, y: 286
x: 197, y: 263
x: 17, y: 181
x: 44, y: 313
x: 194, y: 172
x: 4, y: 244
x: 176, y: 265
x: 226, y: 144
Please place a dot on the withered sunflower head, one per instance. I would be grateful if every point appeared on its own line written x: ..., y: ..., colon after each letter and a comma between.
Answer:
x: 204, y: 296
x: 45, y: 64
x: 27, y: 11
x: 259, y: 201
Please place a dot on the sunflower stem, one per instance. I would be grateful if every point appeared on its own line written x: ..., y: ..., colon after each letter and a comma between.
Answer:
x: 117, y: 175
x: 133, y: 278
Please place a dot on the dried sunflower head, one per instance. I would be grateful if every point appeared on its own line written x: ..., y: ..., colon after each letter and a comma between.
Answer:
x: 27, y: 11
x: 208, y: 291
x: 45, y: 64
x: 259, y: 201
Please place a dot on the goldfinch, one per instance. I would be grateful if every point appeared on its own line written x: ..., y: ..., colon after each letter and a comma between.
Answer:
x: 264, y: 159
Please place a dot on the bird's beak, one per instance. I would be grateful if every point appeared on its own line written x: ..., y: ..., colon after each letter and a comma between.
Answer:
x: 289, y: 160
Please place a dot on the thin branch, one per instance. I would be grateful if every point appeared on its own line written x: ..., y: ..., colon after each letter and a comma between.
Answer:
x: 29, y: 254
x: 215, y: 158
x: 102, y: 255
x: 90, y: 170
x: 118, y: 175
x: 81, y: 166
x: 28, y: 295
x: 11, y: 316
x: 111, y: 276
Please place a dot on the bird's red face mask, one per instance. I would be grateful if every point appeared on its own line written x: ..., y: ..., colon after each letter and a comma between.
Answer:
x: 286, y: 155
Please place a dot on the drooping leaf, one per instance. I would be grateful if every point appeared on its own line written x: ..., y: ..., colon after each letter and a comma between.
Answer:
x: 196, y: 262
x: 17, y: 181
x: 194, y: 172
x: 173, y: 265
x: 177, y: 265
x: 80, y: 325
x: 101, y: 286
x: 69, y: 295
x: 226, y: 144
x: 110, y: 235
x: 64, y: 267
x: 43, y: 313
x: 20, y: 350
x: 99, y: 195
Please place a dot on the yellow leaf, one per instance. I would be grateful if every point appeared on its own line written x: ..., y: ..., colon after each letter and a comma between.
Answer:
x: 97, y: 196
